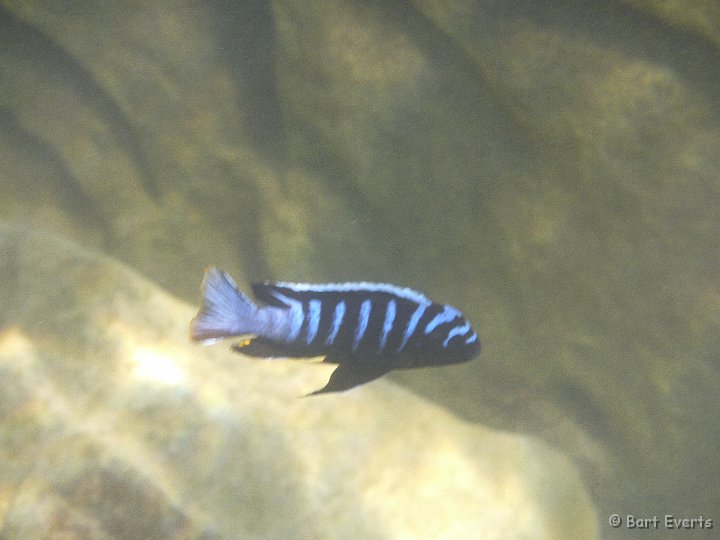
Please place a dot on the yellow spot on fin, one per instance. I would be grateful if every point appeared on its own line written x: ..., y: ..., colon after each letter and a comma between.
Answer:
x: 244, y: 343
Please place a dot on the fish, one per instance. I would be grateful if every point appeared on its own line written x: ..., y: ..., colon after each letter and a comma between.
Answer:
x: 367, y: 329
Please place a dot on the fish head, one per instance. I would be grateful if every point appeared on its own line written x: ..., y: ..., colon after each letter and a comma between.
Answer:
x: 458, y: 348
x: 439, y: 349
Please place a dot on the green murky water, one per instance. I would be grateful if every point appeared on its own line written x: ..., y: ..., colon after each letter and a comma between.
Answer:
x: 551, y: 168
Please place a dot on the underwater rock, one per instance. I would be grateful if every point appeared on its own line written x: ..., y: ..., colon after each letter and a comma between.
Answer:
x: 121, y: 123
x: 114, y: 425
x: 384, y: 112
x: 701, y: 17
x: 609, y: 316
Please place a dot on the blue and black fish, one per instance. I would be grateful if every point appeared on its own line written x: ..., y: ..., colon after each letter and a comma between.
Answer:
x: 367, y: 329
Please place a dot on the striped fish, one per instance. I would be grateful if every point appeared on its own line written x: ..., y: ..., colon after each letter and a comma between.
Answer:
x: 367, y: 329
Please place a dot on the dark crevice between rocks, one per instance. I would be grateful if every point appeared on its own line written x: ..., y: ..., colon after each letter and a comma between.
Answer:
x: 247, y: 38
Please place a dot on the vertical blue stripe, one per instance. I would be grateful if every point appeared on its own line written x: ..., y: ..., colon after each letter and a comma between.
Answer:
x: 412, y: 324
x: 388, y: 323
x: 447, y: 315
x: 313, y: 320
x: 363, y: 319
x: 338, y: 315
x: 295, y: 312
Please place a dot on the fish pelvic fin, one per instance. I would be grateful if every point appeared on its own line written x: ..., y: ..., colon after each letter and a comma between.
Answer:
x: 267, y: 348
x: 348, y: 375
x: 224, y: 312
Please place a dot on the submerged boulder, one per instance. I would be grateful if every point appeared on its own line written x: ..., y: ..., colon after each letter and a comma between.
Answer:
x: 114, y: 425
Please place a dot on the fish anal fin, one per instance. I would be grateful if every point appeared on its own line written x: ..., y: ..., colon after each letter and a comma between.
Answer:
x: 348, y: 375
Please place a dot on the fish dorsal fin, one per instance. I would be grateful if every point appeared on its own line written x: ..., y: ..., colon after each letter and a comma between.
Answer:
x: 281, y: 292
x: 271, y: 294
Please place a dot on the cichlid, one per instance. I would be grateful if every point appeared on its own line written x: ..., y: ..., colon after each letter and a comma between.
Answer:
x: 367, y: 329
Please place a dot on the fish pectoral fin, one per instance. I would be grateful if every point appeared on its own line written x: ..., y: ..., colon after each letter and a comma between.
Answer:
x: 348, y: 375
x: 265, y: 348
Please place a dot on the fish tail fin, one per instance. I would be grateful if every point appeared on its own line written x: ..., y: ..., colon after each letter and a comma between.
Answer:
x: 225, y: 311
